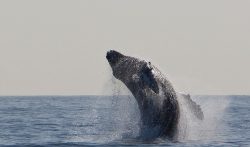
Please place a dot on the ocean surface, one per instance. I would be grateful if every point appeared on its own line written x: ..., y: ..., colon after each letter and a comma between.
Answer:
x: 114, y: 121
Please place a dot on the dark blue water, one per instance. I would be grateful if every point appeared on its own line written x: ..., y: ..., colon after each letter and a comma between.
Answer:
x: 113, y: 121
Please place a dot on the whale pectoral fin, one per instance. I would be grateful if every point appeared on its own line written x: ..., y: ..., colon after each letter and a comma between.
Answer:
x: 195, y: 108
x: 149, y: 80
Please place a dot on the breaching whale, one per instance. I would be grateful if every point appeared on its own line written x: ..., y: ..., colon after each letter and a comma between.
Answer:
x: 155, y: 95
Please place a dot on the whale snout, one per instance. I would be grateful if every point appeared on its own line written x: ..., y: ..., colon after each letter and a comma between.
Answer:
x: 109, y: 56
x: 113, y: 56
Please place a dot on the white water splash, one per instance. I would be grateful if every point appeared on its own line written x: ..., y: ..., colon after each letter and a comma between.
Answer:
x: 121, y: 119
x: 126, y: 116
x: 191, y: 128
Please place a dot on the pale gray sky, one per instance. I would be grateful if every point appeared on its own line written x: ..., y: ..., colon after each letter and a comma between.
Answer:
x: 58, y: 47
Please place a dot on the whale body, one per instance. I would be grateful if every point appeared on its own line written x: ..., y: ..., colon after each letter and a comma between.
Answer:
x: 157, y: 100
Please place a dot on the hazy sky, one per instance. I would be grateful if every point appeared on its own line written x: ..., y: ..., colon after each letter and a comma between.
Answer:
x: 58, y: 47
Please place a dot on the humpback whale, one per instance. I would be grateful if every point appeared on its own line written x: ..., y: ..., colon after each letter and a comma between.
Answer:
x: 157, y: 100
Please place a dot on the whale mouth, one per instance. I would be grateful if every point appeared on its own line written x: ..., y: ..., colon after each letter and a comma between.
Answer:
x: 113, y: 57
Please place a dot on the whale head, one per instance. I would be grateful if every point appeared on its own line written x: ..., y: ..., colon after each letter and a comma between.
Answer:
x: 136, y: 74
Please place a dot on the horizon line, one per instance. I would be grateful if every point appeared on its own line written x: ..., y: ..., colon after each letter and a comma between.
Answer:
x: 60, y: 95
